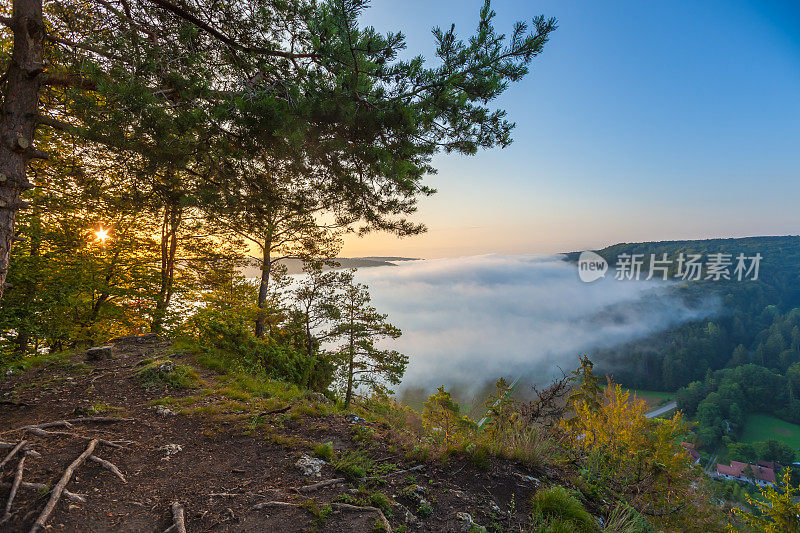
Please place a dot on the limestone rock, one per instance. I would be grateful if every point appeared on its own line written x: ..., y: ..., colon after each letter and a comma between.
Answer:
x: 99, y: 353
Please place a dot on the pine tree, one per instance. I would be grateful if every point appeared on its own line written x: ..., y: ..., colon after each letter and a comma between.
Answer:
x: 361, y: 362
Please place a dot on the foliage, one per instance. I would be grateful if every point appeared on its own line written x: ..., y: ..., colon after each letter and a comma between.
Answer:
x: 353, y: 464
x: 442, y: 416
x: 621, y: 452
x: 227, y: 342
x: 778, y: 510
x: 360, y: 362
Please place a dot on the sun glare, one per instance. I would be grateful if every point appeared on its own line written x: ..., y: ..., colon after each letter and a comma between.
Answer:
x: 101, y: 235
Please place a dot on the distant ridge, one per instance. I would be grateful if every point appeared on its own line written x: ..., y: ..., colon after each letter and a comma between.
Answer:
x: 295, y: 266
x: 719, y: 244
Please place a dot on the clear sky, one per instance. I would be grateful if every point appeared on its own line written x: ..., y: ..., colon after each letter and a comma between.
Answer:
x: 642, y: 120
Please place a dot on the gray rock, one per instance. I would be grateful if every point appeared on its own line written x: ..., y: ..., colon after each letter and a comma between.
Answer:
x: 163, y: 411
x: 171, y: 449
x: 468, y: 524
x: 310, y: 466
x: 318, y: 397
x: 99, y: 353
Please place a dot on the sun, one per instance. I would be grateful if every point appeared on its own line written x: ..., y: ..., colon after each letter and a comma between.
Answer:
x: 101, y: 235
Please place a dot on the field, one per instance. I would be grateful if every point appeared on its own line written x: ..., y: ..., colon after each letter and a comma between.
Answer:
x: 760, y: 427
x: 652, y: 398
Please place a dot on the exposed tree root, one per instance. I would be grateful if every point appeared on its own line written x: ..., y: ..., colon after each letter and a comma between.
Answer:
x: 61, y: 485
x: 71, y: 496
x: 335, y: 481
x: 340, y: 506
x: 178, y: 518
x: 14, y: 487
x: 46, y: 433
x: 13, y: 452
x: 265, y: 505
x: 108, y: 466
x: 347, y: 507
x: 315, y: 486
x: 69, y: 423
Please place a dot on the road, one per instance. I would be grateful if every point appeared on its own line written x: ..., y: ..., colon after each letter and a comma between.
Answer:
x: 661, y: 410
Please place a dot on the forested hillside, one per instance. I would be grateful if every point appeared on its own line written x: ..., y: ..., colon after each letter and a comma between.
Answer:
x: 741, y: 360
x: 754, y: 322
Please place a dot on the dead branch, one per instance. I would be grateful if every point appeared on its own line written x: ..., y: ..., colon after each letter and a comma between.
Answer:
x: 61, y: 485
x: 177, y: 517
x: 14, y: 487
x: 13, y: 452
x: 108, y: 466
x: 68, y: 423
x: 335, y: 481
x: 78, y: 498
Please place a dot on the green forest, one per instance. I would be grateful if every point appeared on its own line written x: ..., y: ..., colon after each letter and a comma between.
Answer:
x: 743, y: 359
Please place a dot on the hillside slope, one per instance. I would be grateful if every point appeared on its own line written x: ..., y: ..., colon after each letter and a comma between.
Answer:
x: 220, y: 449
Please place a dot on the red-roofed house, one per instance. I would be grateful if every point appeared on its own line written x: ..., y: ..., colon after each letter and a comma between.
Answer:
x: 690, y: 449
x: 746, y: 472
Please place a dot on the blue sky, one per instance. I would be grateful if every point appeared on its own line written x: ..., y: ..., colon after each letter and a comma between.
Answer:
x: 640, y: 121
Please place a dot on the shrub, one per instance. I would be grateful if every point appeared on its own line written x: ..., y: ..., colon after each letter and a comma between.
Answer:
x: 225, y: 343
x: 555, y: 510
x: 353, y: 465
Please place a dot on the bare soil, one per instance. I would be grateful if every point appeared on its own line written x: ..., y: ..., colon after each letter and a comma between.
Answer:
x: 225, y: 466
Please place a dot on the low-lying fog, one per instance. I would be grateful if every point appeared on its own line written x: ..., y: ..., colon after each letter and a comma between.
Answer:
x: 467, y: 321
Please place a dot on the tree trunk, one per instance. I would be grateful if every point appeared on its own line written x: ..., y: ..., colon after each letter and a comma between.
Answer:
x: 263, y: 289
x: 169, y: 247
x: 18, y: 119
x: 349, y: 396
x: 29, y: 286
x: 351, y: 337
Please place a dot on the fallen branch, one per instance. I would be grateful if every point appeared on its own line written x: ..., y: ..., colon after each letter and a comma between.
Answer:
x: 335, y: 481
x: 13, y: 452
x: 14, y: 487
x: 108, y: 466
x: 78, y: 498
x: 61, y: 485
x: 177, y: 517
x: 321, y: 484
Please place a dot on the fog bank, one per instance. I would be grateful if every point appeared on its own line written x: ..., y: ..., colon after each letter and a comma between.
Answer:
x: 472, y: 319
